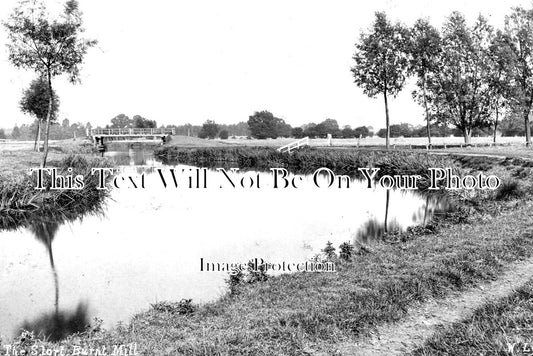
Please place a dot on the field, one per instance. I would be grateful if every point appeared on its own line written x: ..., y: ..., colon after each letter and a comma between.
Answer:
x: 376, y: 141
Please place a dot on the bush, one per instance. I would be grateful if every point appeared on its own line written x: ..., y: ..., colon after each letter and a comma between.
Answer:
x: 329, y: 251
x: 508, y: 190
x: 346, y: 251
x: 223, y: 135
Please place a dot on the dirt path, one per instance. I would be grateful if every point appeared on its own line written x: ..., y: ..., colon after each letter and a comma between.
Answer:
x: 421, y: 321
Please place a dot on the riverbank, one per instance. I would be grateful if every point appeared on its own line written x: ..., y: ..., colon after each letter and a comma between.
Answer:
x: 303, y: 313
x: 20, y: 201
x: 309, y: 159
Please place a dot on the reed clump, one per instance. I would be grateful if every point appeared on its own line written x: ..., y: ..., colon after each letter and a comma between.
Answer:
x: 20, y: 201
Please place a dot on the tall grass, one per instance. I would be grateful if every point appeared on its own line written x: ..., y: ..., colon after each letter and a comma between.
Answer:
x: 308, y: 160
x: 20, y: 201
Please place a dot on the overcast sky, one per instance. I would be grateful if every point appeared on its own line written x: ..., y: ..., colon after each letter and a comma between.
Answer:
x: 180, y: 62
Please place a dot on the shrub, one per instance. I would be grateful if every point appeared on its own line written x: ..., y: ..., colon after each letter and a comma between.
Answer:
x: 509, y: 189
x: 329, y: 251
x: 346, y: 251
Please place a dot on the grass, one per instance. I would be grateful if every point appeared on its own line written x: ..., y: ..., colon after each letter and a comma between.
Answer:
x: 21, y: 202
x: 308, y: 159
x: 500, y: 327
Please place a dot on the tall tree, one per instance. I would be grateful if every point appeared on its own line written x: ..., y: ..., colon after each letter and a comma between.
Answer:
x: 50, y: 47
x: 263, y: 124
x: 424, y: 48
x: 209, y: 130
x: 381, y: 62
x: 459, y: 91
x: 35, y: 101
x: 121, y: 121
x: 519, y: 31
x: 499, y: 78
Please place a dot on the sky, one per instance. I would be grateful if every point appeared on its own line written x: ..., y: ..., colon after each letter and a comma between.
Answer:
x: 181, y: 62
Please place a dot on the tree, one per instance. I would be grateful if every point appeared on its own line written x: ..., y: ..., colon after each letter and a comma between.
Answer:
x: 297, y: 132
x: 500, y: 56
x: 459, y: 90
x: 328, y: 126
x: 50, y: 47
x: 263, y: 124
x: 347, y: 132
x: 381, y: 62
x: 223, y: 135
x: 121, y: 121
x: 424, y: 49
x: 209, y: 130
x: 15, y: 134
x: 519, y: 32
x: 35, y: 101
x: 140, y: 122
x: 2, y: 134
x: 361, y: 131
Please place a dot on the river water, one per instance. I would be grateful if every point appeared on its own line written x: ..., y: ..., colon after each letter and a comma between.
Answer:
x: 147, y: 245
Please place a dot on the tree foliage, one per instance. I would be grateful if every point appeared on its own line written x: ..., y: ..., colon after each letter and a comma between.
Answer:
x: 459, y: 89
x: 263, y: 124
x: 424, y: 49
x: 209, y: 130
x: 519, y: 35
x: 121, y: 121
x: 36, y: 98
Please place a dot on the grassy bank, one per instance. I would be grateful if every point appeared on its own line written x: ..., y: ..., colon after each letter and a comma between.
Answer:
x: 501, y: 327
x: 307, y: 160
x: 20, y: 201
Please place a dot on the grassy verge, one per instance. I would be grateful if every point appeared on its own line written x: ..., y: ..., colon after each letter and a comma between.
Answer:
x: 308, y: 160
x: 20, y: 201
x: 500, y: 327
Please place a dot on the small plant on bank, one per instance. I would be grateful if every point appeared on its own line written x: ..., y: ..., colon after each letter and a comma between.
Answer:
x: 508, y: 190
x: 235, y: 279
x: 256, y: 275
x: 346, y: 251
x: 183, y: 307
x: 329, y: 251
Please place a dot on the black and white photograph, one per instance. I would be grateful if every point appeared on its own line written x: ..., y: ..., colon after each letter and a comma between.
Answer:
x: 243, y: 177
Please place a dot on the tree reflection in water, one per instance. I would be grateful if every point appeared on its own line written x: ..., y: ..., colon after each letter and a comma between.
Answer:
x: 58, y: 324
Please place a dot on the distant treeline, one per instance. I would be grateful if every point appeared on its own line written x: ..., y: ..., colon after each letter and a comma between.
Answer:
x: 264, y: 125
x: 62, y: 131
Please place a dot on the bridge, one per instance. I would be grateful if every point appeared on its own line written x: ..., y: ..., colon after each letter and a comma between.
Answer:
x: 129, y: 135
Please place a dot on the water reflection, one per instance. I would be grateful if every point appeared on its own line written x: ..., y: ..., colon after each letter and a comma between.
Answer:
x: 374, y: 229
x: 44, y: 231
x: 57, y: 324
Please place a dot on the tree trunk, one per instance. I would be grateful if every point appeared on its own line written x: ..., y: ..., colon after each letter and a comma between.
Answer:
x: 387, y: 210
x: 426, y: 108
x: 387, y: 137
x: 37, y: 144
x: 528, y: 128
x: 495, y: 125
x: 467, y: 134
x: 48, y: 119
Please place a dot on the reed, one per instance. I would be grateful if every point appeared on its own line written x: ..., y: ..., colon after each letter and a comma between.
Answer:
x: 307, y: 160
x: 20, y: 201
